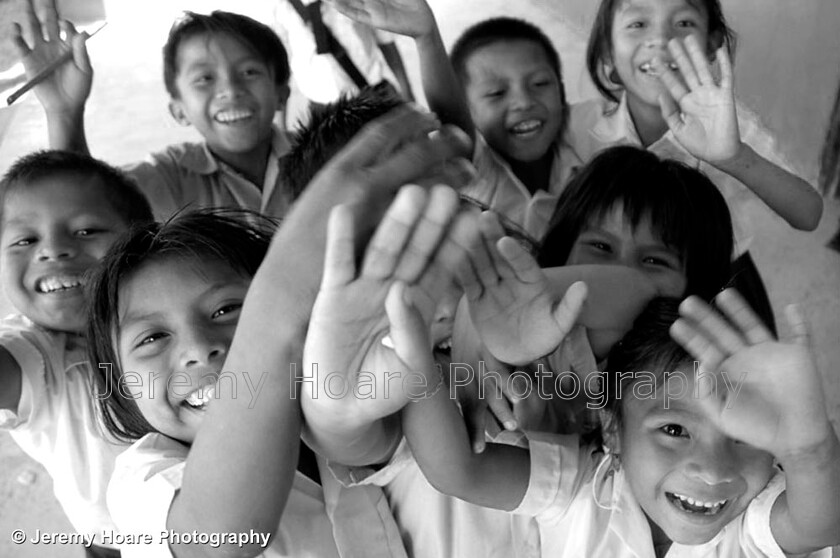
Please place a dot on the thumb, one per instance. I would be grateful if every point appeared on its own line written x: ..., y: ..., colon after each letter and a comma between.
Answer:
x: 567, y: 311
x: 80, y: 53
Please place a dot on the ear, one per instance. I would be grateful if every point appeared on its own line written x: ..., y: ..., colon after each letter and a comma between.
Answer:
x: 609, y: 431
x: 283, y: 92
x: 177, y: 112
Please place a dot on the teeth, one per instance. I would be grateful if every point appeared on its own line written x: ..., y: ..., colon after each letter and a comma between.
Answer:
x: 647, y: 68
x: 708, y: 508
x: 200, y: 397
x: 59, y: 283
x: 526, y: 127
x: 445, y: 344
x: 235, y: 115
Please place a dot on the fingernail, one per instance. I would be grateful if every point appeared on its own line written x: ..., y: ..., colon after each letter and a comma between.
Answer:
x: 510, y: 425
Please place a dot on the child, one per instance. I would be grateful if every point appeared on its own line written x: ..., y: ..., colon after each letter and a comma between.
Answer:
x: 227, y: 75
x: 678, y: 471
x: 629, y: 207
x: 61, y: 211
x: 503, y: 86
x: 635, y: 51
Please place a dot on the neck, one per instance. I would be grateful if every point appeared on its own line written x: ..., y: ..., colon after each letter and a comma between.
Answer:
x: 535, y: 175
x: 661, y: 542
x: 250, y: 164
x: 647, y: 119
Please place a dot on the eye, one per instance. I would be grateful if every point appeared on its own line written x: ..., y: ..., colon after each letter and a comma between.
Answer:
x: 151, y: 338
x: 601, y: 246
x: 202, y: 79
x: 674, y: 431
x: 686, y: 23
x: 253, y: 71
x: 229, y: 310
x: 23, y: 242
x: 88, y: 232
x: 636, y: 24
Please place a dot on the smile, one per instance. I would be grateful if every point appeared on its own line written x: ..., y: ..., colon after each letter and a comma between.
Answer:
x: 199, y: 398
x: 233, y: 116
x: 59, y: 283
x: 527, y: 127
x: 690, y: 505
x: 647, y: 68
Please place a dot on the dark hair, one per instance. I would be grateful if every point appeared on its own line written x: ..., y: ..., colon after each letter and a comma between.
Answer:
x: 648, y: 347
x: 600, y: 47
x: 237, y: 238
x: 329, y: 129
x: 686, y: 211
x: 255, y: 36
x: 117, y: 188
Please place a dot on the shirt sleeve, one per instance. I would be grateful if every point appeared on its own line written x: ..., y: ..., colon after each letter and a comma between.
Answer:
x: 157, y: 178
x: 33, y: 379
x: 756, y: 537
x: 146, y: 479
x: 555, y: 469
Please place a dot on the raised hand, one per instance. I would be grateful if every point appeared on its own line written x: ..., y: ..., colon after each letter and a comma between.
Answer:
x: 413, y: 18
x: 65, y: 90
x: 700, y: 112
x: 513, y: 308
x: 771, y: 396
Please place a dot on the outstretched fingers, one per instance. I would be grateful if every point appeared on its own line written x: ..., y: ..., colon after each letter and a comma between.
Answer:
x: 567, y: 311
x: 440, y: 210
x: 385, y: 248
x: 339, y: 258
x: 739, y: 312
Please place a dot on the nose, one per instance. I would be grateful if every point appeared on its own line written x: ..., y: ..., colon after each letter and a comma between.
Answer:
x: 56, y: 246
x: 202, y: 346
x: 659, y: 35
x: 521, y: 98
x: 228, y: 85
x: 712, y: 463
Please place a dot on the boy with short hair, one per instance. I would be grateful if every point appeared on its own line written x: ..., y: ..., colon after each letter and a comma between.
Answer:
x: 59, y: 214
x: 502, y: 84
x: 227, y: 75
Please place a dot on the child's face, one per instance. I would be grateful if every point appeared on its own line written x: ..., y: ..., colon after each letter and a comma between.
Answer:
x: 689, y: 478
x: 514, y: 98
x: 641, y: 31
x: 176, y: 322
x: 227, y: 92
x: 614, y: 241
x: 54, y: 232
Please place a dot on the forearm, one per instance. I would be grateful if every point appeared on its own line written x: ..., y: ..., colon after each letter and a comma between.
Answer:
x: 66, y: 131
x: 392, y: 57
x: 785, y: 193
x: 806, y: 517
x: 440, y: 84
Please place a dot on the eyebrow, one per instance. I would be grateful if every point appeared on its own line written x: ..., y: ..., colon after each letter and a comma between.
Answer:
x: 131, y: 318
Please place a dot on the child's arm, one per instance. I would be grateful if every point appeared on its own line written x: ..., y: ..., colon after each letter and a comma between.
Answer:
x: 703, y: 118
x: 242, y: 462
x: 64, y: 94
x: 414, y: 18
x: 435, y: 431
x: 779, y: 408
x: 11, y: 381
x: 516, y: 307
x: 345, y: 337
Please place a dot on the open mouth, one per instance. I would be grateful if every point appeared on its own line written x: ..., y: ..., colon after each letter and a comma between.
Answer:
x: 527, y: 128
x: 648, y: 68
x: 200, y: 398
x: 690, y: 505
x: 59, y: 283
x: 444, y: 347
x: 233, y: 116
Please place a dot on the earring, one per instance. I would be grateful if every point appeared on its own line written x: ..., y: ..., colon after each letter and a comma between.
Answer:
x: 612, y: 462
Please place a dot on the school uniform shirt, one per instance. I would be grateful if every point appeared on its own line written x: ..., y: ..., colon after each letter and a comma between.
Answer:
x: 149, y: 474
x: 497, y: 187
x: 189, y: 175
x: 566, y: 480
x: 434, y: 525
x: 319, y: 77
x: 597, y: 124
x: 56, y: 422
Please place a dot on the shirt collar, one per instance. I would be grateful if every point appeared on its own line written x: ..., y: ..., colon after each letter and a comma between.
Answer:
x: 202, y: 161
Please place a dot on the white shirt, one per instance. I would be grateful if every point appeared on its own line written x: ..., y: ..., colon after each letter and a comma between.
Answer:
x: 318, y: 76
x: 56, y: 421
x: 498, y: 188
x: 596, y: 124
x: 434, y: 525
x: 560, y: 495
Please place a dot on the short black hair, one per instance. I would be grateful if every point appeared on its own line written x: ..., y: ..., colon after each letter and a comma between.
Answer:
x: 500, y: 29
x: 686, y: 210
x: 255, y: 36
x: 329, y: 129
x: 237, y: 238
x: 117, y: 188
x: 600, y: 47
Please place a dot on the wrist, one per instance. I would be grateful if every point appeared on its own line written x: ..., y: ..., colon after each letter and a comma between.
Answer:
x: 817, y: 456
x: 739, y: 160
